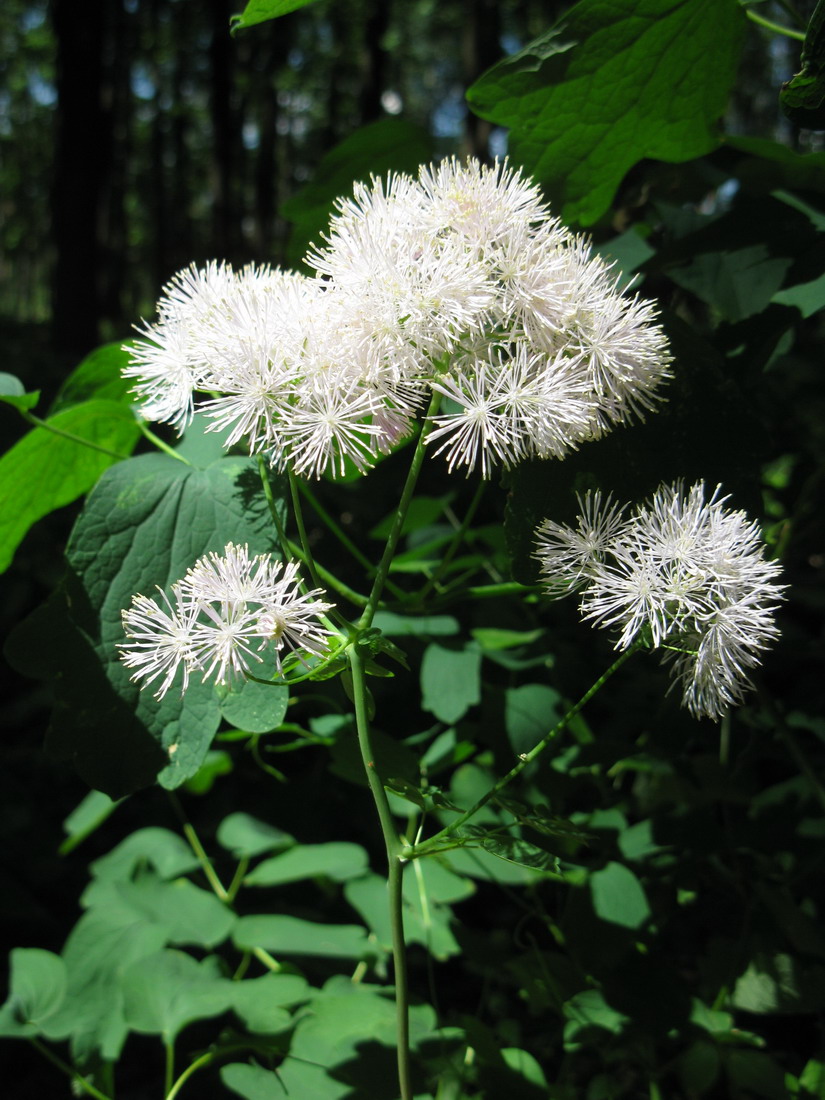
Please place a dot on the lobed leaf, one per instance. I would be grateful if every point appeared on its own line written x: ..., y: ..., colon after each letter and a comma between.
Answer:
x: 612, y: 83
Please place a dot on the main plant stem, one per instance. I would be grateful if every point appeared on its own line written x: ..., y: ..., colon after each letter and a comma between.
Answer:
x: 392, y: 842
x: 395, y: 873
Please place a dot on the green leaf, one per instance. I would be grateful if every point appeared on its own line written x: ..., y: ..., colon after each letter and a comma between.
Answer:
x: 167, y: 852
x: 215, y: 764
x: 494, y: 638
x: 145, y: 523
x: 246, y: 836
x: 738, y: 284
x: 100, y: 946
x: 389, y: 145
x: 37, y: 988
x: 186, y: 913
x: 589, y: 1009
x: 337, y: 860
x: 259, y: 11
x: 99, y: 376
x: 432, y: 626
x: 618, y: 896
x: 609, y: 85
x: 85, y: 818
x: 56, y: 470
x: 428, y: 888
x: 808, y: 298
x: 450, y: 680
x: 290, y: 936
x: 252, y: 1081
x: 344, y: 1046
x: 164, y: 992
x: 13, y: 392
x: 254, y: 707
x: 530, y: 712
x: 262, y: 1002
x: 511, y: 849
x: 779, y: 984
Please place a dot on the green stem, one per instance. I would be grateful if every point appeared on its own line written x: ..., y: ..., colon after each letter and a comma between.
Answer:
x: 777, y: 28
x: 160, y: 443
x: 76, y: 1078
x: 36, y: 422
x: 395, y: 874
x: 170, y: 1068
x: 199, y: 1063
x: 413, y: 851
x: 383, y: 570
x: 198, y: 849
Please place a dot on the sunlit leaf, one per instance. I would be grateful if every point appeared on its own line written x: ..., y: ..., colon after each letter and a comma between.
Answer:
x: 37, y: 987
x: 337, y: 860
x: 609, y: 85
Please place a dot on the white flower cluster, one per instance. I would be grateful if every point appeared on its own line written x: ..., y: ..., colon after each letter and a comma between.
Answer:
x: 222, y: 614
x: 459, y: 282
x: 682, y: 573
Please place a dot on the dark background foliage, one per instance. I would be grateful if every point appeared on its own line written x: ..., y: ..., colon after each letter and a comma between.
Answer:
x: 139, y: 137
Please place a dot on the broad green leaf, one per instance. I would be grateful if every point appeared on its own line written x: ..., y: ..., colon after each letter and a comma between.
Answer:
x: 433, y: 626
x: 215, y: 764
x: 609, y: 85
x: 143, y: 526
x: 254, y: 707
x: 167, y: 852
x: 100, y: 946
x: 85, y: 818
x: 164, y: 992
x: 186, y: 913
x: 530, y: 712
x: 337, y: 860
x: 618, y: 896
x: 55, y: 470
x: 627, y: 252
x: 37, y: 988
x: 495, y: 638
x: 777, y: 165
x: 283, y: 935
x: 525, y: 1065
x: 450, y: 681
x: 262, y: 1002
x: 99, y: 376
x: 252, y: 1081
x: 259, y: 11
x: 245, y: 836
x: 589, y: 1009
x: 808, y: 298
x: 389, y: 145
x: 428, y: 889
x: 780, y: 984
x: 737, y: 284
x: 344, y: 1045
x: 13, y: 392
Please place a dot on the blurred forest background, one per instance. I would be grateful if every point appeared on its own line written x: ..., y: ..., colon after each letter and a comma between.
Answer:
x: 138, y: 136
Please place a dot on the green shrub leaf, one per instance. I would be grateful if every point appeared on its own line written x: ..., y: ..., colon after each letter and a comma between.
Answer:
x: 609, y: 85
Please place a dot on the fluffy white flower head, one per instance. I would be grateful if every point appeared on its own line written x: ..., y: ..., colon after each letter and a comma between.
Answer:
x: 459, y: 282
x: 682, y: 573
x: 226, y: 611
